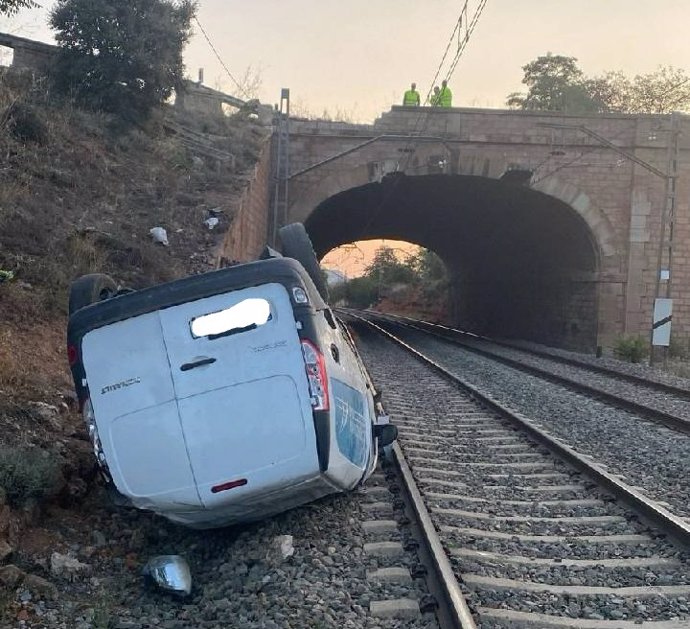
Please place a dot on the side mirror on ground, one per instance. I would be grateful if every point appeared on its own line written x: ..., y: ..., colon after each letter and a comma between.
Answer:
x: 386, y: 434
x: 170, y: 573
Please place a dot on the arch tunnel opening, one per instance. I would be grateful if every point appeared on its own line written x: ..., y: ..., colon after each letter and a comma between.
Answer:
x: 522, y: 264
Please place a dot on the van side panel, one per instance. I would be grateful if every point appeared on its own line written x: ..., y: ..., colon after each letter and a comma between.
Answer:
x: 136, y: 413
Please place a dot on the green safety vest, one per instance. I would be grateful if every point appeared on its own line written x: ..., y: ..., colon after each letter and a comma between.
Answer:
x: 411, y: 98
x: 434, y: 99
x: 445, y: 98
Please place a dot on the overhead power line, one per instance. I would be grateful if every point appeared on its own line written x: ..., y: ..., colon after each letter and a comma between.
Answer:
x: 417, y: 131
x: 220, y: 59
x: 468, y: 33
x: 458, y: 26
x: 462, y: 44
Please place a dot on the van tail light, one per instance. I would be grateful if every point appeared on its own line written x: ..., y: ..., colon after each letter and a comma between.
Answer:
x: 316, y: 375
x: 90, y: 421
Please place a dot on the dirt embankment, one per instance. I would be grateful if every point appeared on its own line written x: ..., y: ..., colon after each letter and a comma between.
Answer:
x: 430, y: 303
x: 79, y: 194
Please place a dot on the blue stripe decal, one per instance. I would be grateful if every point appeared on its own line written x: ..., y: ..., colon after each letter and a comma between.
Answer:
x: 350, y: 422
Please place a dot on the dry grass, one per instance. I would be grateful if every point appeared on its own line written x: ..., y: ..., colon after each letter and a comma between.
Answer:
x: 15, y: 374
x: 84, y: 200
x: 80, y: 196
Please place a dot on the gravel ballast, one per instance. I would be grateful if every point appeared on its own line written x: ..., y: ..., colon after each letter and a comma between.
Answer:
x: 475, y: 480
x: 240, y: 580
x: 648, y: 455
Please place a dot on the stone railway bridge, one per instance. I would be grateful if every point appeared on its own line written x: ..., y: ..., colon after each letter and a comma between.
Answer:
x: 548, y: 234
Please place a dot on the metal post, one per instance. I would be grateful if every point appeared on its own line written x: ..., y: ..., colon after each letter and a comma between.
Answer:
x: 282, y: 164
x: 667, y: 216
x: 285, y: 95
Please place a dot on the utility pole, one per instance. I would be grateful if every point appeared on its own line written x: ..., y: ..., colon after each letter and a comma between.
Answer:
x: 282, y: 164
x: 663, y: 303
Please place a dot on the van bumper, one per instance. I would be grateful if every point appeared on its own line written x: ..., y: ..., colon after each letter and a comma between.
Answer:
x: 249, y: 506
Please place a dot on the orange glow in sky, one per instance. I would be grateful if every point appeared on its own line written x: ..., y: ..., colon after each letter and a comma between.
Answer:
x: 353, y: 259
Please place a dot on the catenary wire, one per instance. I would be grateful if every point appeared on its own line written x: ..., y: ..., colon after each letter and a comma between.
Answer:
x: 409, y: 147
x: 220, y: 59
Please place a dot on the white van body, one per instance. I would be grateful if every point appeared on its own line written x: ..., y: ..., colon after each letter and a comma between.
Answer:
x: 208, y: 430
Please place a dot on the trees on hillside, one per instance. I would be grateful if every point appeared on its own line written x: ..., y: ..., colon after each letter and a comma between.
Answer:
x: 121, y: 56
x: 387, y: 271
x: 556, y: 83
x: 10, y: 7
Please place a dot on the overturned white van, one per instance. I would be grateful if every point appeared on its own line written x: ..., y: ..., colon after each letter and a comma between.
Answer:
x: 222, y: 397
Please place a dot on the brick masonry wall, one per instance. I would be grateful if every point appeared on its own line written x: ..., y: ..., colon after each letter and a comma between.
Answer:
x: 619, y: 200
x: 247, y: 235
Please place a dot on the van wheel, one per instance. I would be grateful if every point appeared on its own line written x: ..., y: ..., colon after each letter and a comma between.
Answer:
x: 90, y: 289
x: 297, y: 245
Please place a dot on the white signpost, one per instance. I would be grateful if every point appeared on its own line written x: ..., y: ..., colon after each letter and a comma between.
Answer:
x: 661, y: 329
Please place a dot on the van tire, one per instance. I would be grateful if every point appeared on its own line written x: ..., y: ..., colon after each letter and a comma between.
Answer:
x: 297, y: 245
x: 89, y: 289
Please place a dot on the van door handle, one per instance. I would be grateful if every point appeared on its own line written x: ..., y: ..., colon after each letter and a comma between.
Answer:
x: 197, y: 363
x: 335, y: 352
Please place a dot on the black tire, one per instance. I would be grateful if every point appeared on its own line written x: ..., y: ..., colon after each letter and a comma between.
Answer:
x: 297, y: 245
x: 90, y: 289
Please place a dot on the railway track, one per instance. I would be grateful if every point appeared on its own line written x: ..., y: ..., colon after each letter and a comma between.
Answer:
x: 534, y: 534
x: 656, y: 401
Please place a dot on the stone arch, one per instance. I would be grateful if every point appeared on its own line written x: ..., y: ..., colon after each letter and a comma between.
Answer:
x: 578, y: 200
x: 338, y: 181
x: 312, y: 194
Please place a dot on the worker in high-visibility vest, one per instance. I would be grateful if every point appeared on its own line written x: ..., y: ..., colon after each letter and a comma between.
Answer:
x: 435, y: 99
x: 411, y: 98
x: 445, y: 97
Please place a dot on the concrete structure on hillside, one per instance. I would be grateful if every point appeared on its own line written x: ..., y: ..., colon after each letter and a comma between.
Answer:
x: 197, y: 98
x: 29, y: 55
x: 549, y: 233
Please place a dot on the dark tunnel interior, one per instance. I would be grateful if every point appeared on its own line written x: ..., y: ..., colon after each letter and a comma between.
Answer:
x: 523, y: 264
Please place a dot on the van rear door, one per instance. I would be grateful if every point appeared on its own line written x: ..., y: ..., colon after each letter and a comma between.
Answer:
x: 239, y: 378
x: 133, y: 397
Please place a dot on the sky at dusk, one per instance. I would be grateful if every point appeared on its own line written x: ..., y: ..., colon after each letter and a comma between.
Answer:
x: 355, y: 58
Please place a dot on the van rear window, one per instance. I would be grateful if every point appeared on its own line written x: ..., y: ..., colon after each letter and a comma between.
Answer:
x: 242, y: 317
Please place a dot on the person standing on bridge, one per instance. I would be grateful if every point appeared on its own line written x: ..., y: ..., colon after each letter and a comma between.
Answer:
x: 435, y: 99
x: 411, y: 98
x: 445, y: 97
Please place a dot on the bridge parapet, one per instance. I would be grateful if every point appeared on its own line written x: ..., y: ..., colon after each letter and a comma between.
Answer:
x: 29, y: 54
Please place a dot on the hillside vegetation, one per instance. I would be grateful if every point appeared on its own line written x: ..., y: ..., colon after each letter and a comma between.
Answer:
x: 417, y: 286
x: 79, y: 194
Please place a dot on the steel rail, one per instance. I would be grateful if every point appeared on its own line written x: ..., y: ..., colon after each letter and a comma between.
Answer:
x: 674, y: 422
x: 459, y: 611
x: 671, y: 524
x: 456, y: 610
x: 566, y: 360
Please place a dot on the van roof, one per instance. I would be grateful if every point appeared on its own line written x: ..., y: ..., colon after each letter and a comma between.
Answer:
x: 285, y: 271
